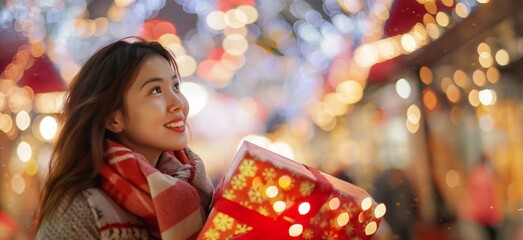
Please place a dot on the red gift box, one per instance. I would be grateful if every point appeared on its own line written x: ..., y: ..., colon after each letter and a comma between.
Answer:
x: 267, y: 196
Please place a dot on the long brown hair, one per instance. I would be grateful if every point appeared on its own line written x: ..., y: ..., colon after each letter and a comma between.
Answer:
x: 96, y: 92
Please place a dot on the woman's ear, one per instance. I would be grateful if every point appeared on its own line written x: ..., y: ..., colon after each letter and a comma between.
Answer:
x: 115, y: 124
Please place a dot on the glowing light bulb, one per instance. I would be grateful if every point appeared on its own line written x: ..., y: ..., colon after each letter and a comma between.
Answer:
x: 334, y: 203
x: 342, y: 219
x: 271, y: 191
x: 366, y: 203
x: 295, y: 230
x: 304, y: 208
x: 279, y: 206
x: 380, y: 210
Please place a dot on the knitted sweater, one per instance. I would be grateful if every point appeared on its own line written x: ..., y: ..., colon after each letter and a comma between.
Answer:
x: 92, y: 215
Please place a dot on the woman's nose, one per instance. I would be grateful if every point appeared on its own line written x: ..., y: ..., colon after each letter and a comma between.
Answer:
x: 176, y: 102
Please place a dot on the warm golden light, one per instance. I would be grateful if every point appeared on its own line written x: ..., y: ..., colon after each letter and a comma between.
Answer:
x: 425, y: 75
x: 271, y: 191
x: 487, y: 97
x: 48, y: 127
x: 102, y: 25
x: 433, y: 30
x: 446, y: 82
x: 502, y: 57
x: 429, y: 99
x: 431, y: 7
x: 216, y: 20
x: 295, y: 230
x: 24, y: 151
x: 486, y: 60
x: 334, y: 203
x: 279, y: 206
x: 412, y: 127
x: 428, y: 18
x: 235, y: 18
x: 235, y: 44
x: 448, y: 3
x: 479, y: 78
x: 342, y: 219
x: 408, y: 43
x: 462, y: 10
x: 334, y: 104
x: 413, y: 113
x: 31, y: 168
x: 453, y: 93
x: 371, y: 228
x: 250, y: 12
x: 380, y: 210
x: 366, y: 203
x: 284, y: 181
x: 323, y: 119
x: 493, y: 75
x: 18, y: 184
x: 187, y: 65
x: 474, y: 98
x: 366, y: 55
x: 483, y: 49
x: 6, y: 123
x: 115, y: 13
x: 442, y: 19
x: 403, y: 88
x: 461, y: 79
x: 23, y: 120
x: 381, y: 11
x: 123, y: 3
x: 350, y: 91
x: 304, y: 208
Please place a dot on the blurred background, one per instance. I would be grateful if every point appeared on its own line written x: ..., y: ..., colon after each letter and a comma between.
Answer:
x: 417, y: 101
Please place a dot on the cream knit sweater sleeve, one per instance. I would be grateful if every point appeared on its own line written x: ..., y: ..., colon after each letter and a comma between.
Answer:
x: 75, y: 222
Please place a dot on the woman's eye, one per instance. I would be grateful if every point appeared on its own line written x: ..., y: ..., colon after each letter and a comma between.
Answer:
x: 176, y: 86
x: 156, y: 90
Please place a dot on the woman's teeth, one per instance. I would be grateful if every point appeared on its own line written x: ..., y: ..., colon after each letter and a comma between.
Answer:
x: 174, y: 124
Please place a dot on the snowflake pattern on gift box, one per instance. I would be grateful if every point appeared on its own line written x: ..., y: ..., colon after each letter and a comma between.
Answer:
x: 255, y: 195
x: 246, y: 204
x: 329, y: 235
x: 351, y: 208
x: 349, y: 230
x: 229, y: 194
x: 212, y: 234
x: 242, y: 228
x: 306, y: 188
x: 223, y: 222
x: 263, y: 211
x: 248, y: 168
x: 238, y: 182
x: 268, y: 175
x: 308, y: 234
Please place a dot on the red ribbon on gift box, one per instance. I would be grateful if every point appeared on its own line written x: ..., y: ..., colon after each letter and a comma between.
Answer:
x: 266, y: 227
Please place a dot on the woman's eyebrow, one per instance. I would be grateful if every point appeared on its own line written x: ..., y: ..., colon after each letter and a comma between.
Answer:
x: 157, y: 79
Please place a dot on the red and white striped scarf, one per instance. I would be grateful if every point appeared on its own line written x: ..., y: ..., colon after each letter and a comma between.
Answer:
x: 172, y: 199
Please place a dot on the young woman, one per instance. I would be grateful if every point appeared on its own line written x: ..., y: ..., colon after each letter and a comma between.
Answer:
x: 121, y: 168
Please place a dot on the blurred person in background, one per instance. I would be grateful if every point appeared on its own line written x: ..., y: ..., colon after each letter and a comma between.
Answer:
x: 121, y: 168
x: 482, y: 200
x: 394, y: 189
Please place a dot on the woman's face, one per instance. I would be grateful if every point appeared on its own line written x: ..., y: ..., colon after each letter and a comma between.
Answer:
x: 157, y: 111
